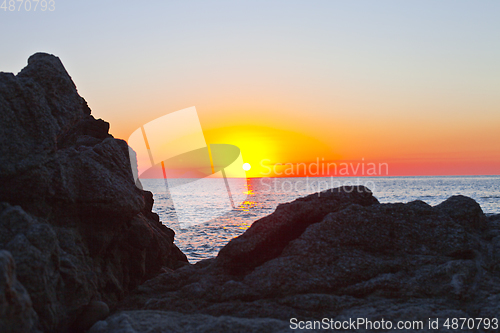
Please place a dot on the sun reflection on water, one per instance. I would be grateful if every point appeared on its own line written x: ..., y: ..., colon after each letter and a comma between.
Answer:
x: 247, y: 205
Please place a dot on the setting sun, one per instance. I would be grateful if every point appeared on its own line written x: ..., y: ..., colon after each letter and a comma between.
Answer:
x: 262, y: 146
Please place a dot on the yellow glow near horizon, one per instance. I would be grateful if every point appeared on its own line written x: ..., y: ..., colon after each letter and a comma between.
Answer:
x: 261, y: 146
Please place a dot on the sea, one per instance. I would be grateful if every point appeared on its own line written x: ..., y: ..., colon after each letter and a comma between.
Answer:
x: 205, y: 233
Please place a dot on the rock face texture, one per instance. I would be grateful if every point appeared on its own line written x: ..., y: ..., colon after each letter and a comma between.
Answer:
x: 76, y: 234
x: 15, y: 303
x: 338, y: 254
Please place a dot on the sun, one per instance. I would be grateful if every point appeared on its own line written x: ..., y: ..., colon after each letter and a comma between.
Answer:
x: 246, y: 166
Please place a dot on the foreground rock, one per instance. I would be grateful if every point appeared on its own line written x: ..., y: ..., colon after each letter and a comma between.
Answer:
x: 15, y: 303
x: 337, y: 255
x: 167, y: 321
x: 79, y: 232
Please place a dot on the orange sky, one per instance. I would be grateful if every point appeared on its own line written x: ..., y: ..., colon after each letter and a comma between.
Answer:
x: 412, y: 146
x: 414, y: 84
x: 451, y: 135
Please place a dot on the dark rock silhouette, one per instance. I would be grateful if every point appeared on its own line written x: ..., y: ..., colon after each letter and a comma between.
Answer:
x: 79, y: 230
x: 343, y: 255
x: 268, y: 236
x: 15, y: 303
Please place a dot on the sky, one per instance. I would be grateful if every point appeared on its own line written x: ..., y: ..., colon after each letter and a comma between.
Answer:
x: 414, y: 85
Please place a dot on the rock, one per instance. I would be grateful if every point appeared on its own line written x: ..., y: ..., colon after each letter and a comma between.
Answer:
x: 353, y: 258
x: 358, y: 244
x: 34, y: 246
x: 17, y: 314
x: 464, y: 210
x: 87, y: 132
x: 267, y: 237
x: 78, y: 228
x: 166, y: 321
x: 38, y: 105
x: 92, y: 313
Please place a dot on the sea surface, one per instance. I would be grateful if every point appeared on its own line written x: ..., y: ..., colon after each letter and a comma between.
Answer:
x: 205, y: 236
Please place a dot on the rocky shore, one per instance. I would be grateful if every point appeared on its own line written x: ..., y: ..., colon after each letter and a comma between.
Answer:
x: 79, y: 240
x: 339, y: 255
x: 76, y: 234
